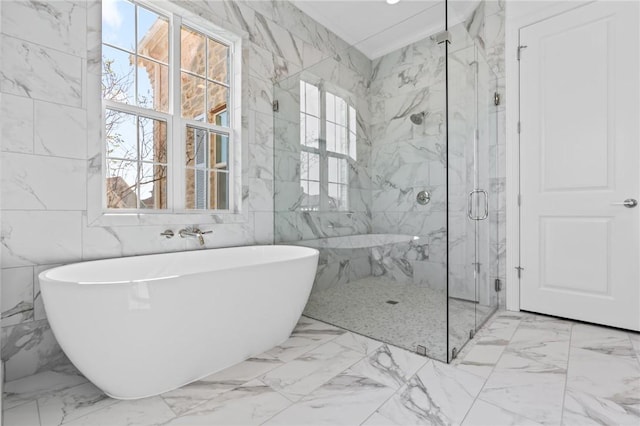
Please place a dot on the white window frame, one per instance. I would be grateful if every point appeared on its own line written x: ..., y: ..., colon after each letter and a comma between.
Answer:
x: 322, y: 151
x: 176, y: 130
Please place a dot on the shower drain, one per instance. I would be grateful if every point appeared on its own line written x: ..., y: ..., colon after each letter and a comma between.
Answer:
x: 391, y: 302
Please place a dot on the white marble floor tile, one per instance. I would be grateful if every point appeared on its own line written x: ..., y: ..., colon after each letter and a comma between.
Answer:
x: 22, y: 415
x: 30, y: 388
x: 358, y: 343
x: 545, y: 322
x: 534, y: 395
x: 307, y: 335
x: 603, y: 340
x: 484, y: 414
x: 347, y: 399
x: 189, y: 396
x: 247, y: 370
x: 437, y: 394
x: 635, y: 341
x: 582, y: 409
x: 306, y: 373
x: 389, y: 365
x: 377, y: 419
x: 250, y: 404
x: 139, y: 412
x: 616, y: 378
x: 72, y: 403
x: 481, y: 359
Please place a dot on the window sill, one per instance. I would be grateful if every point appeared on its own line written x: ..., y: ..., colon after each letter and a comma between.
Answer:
x: 158, y: 218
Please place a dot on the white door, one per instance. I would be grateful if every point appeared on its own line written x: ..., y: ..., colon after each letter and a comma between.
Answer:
x: 579, y: 156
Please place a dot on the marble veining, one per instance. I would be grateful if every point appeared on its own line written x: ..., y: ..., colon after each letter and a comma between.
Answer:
x: 336, y: 377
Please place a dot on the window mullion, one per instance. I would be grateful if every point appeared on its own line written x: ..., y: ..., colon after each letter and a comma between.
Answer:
x: 179, y: 128
x: 323, y: 163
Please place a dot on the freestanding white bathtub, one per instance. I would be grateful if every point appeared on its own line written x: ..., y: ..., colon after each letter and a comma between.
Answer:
x: 141, y: 326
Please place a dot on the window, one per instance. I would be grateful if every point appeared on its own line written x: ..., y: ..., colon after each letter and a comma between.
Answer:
x: 167, y: 96
x: 328, y: 141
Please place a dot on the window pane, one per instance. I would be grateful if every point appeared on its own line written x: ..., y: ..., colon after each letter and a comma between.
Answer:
x: 121, y: 184
x: 304, y: 165
x: 341, y: 111
x: 192, y: 97
x: 303, y: 129
x: 312, y: 100
x: 352, y: 120
x: 118, y: 75
x: 331, y: 137
x: 153, y: 35
x: 313, y: 196
x: 314, y: 167
x: 196, y: 188
x: 153, y: 85
x: 312, y: 130
x: 353, y: 146
x: 120, y: 133
x: 152, y: 188
x: 331, y: 107
x: 341, y: 140
x: 338, y: 170
x: 152, y: 136
x: 192, y: 51
x: 118, y: 23
x: 219, y: 193
x: 303, y: 86
x: 218, y: 62
x: 196, y: 148
x: 219, y: 151
x: 337, y: 197
x: 217, y: 100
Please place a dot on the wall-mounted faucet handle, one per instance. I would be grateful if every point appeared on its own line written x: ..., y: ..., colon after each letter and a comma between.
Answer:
x: 194, y: 232
x: 167, y: 234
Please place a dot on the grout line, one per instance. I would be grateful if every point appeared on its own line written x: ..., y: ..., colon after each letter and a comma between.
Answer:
x: 397, y: 391
x: 566, y: 376
x: 38, y: 412
x: 316, y: 388
x: 491, y: 373
x: 636, y: 354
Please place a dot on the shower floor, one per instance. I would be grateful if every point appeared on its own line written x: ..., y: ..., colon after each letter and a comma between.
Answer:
x: 418, y: 317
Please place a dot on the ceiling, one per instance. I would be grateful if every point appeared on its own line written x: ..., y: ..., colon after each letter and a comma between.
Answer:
x: 377, y: 28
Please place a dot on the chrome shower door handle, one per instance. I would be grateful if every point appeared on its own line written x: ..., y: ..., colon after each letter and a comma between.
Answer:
x: 628, y: 203
x: 486, y: 205
x: 470, y: 205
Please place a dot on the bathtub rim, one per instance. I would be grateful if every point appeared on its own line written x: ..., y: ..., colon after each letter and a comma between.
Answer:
x: 45, y: 278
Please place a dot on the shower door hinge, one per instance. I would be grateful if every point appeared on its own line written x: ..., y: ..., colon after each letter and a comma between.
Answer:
x: 519, y: 269
x: 496, y: 98
x: 519, y: 200
x: 275, y: 106
x: 522, y: 46
x: 443, y: 36
x: 519, y: 127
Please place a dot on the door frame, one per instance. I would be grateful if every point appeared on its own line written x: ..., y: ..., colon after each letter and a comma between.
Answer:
x: 519, y: 14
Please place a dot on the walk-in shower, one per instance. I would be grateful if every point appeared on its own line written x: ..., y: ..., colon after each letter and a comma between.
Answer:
x: 357, y: 142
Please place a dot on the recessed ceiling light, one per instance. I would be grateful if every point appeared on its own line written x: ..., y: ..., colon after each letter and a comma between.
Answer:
x: 392, y: 1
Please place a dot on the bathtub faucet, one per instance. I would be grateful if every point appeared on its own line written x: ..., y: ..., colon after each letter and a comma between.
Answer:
x: 195, y: 232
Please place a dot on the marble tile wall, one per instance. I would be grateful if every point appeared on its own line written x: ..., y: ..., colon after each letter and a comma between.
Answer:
x: 398, y: 159
x: 407, y: 158
x: 45, y: 196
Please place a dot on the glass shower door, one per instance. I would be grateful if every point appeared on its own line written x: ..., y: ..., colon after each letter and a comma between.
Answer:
x: 471, y: 297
